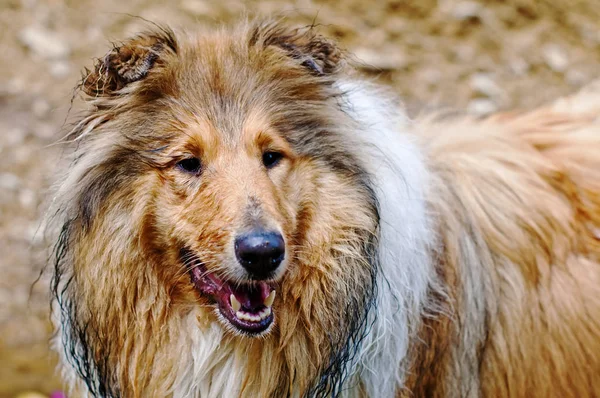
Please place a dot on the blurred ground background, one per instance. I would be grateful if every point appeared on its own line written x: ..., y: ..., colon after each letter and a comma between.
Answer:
x: 480, y: 56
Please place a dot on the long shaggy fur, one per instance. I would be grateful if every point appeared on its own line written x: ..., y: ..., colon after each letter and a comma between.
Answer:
x: 445, y: 256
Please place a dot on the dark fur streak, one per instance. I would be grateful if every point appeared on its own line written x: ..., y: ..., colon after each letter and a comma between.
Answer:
x: 333, y: 379
x: 80, y: 355
x: 105, y: 179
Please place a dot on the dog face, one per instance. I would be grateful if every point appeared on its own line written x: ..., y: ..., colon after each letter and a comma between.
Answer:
x: 228, y: 178
x: 228, y: 206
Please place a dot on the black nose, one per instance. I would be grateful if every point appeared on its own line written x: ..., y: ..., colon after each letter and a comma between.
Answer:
x: 260, y: 253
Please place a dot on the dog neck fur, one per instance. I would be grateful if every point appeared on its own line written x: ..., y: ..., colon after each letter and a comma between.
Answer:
x: 406, y: 275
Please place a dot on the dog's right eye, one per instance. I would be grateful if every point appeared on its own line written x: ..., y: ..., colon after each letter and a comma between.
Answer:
x: 189, y: 165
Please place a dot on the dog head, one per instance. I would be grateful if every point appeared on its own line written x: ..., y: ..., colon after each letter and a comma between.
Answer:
x: 212, y: 177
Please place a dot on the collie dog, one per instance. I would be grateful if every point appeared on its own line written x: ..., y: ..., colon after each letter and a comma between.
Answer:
x: 244, y: 216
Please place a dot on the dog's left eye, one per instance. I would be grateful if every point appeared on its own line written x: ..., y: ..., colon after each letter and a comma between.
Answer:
x: 270, y: 159
x: 190, y: 165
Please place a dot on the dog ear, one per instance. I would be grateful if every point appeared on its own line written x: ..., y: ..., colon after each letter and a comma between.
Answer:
x: 129, y: 62
x: 316, y: 53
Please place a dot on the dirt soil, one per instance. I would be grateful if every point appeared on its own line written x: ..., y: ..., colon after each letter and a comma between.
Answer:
x: 478, y: 56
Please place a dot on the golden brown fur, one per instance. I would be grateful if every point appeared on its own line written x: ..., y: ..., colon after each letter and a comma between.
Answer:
x: 513, y: 293
x: 524, y: 191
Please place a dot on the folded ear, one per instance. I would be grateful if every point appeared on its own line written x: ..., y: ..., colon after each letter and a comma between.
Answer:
x: 129, y: 62
x: 316, y: 53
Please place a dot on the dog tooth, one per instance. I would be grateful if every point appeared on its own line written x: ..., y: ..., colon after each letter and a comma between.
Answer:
x: 235, y: 304
x: 253, y: 317
x: 265, y: 313
x: 270, y: 299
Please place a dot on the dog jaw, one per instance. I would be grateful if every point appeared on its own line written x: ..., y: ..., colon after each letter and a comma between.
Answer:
x: 247, y: 307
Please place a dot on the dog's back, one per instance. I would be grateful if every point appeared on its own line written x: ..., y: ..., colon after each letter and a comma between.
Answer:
x: 519, y: 200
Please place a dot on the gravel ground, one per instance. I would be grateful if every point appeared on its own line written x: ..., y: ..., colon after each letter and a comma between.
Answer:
x: 478, y: 56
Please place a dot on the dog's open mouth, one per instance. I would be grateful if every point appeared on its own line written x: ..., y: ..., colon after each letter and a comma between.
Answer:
x: 247, y: 307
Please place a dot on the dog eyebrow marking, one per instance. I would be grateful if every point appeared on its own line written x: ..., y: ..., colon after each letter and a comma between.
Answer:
x: 307, y: 61
x: 159, y: 149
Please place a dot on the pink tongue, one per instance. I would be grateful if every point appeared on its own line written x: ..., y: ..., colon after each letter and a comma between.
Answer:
x: 252, y: 298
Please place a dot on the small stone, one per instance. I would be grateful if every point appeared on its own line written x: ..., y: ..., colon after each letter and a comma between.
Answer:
x: 45, y: 131
x: 44, y: 43
x: 375, y: 37
x: 13, y: 137
x: 29, y: 3
x: 9, y: 182
x: 40, y: 108
x: 519, y: 66
x: 93, y: 33
x: 15, y: 86
x: 481, y: 107
x: 590, y: 33
x: 555, y: 58
x: 380, y: 60
x: 431, y: 76
x: 576, y: 78
x: 395, y: 25
x: 466, y: 10
x: 60, y: 69
x: 482, y: 83
x: 197, y: 7
x: 465, y: 53
x: 27, y: 198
